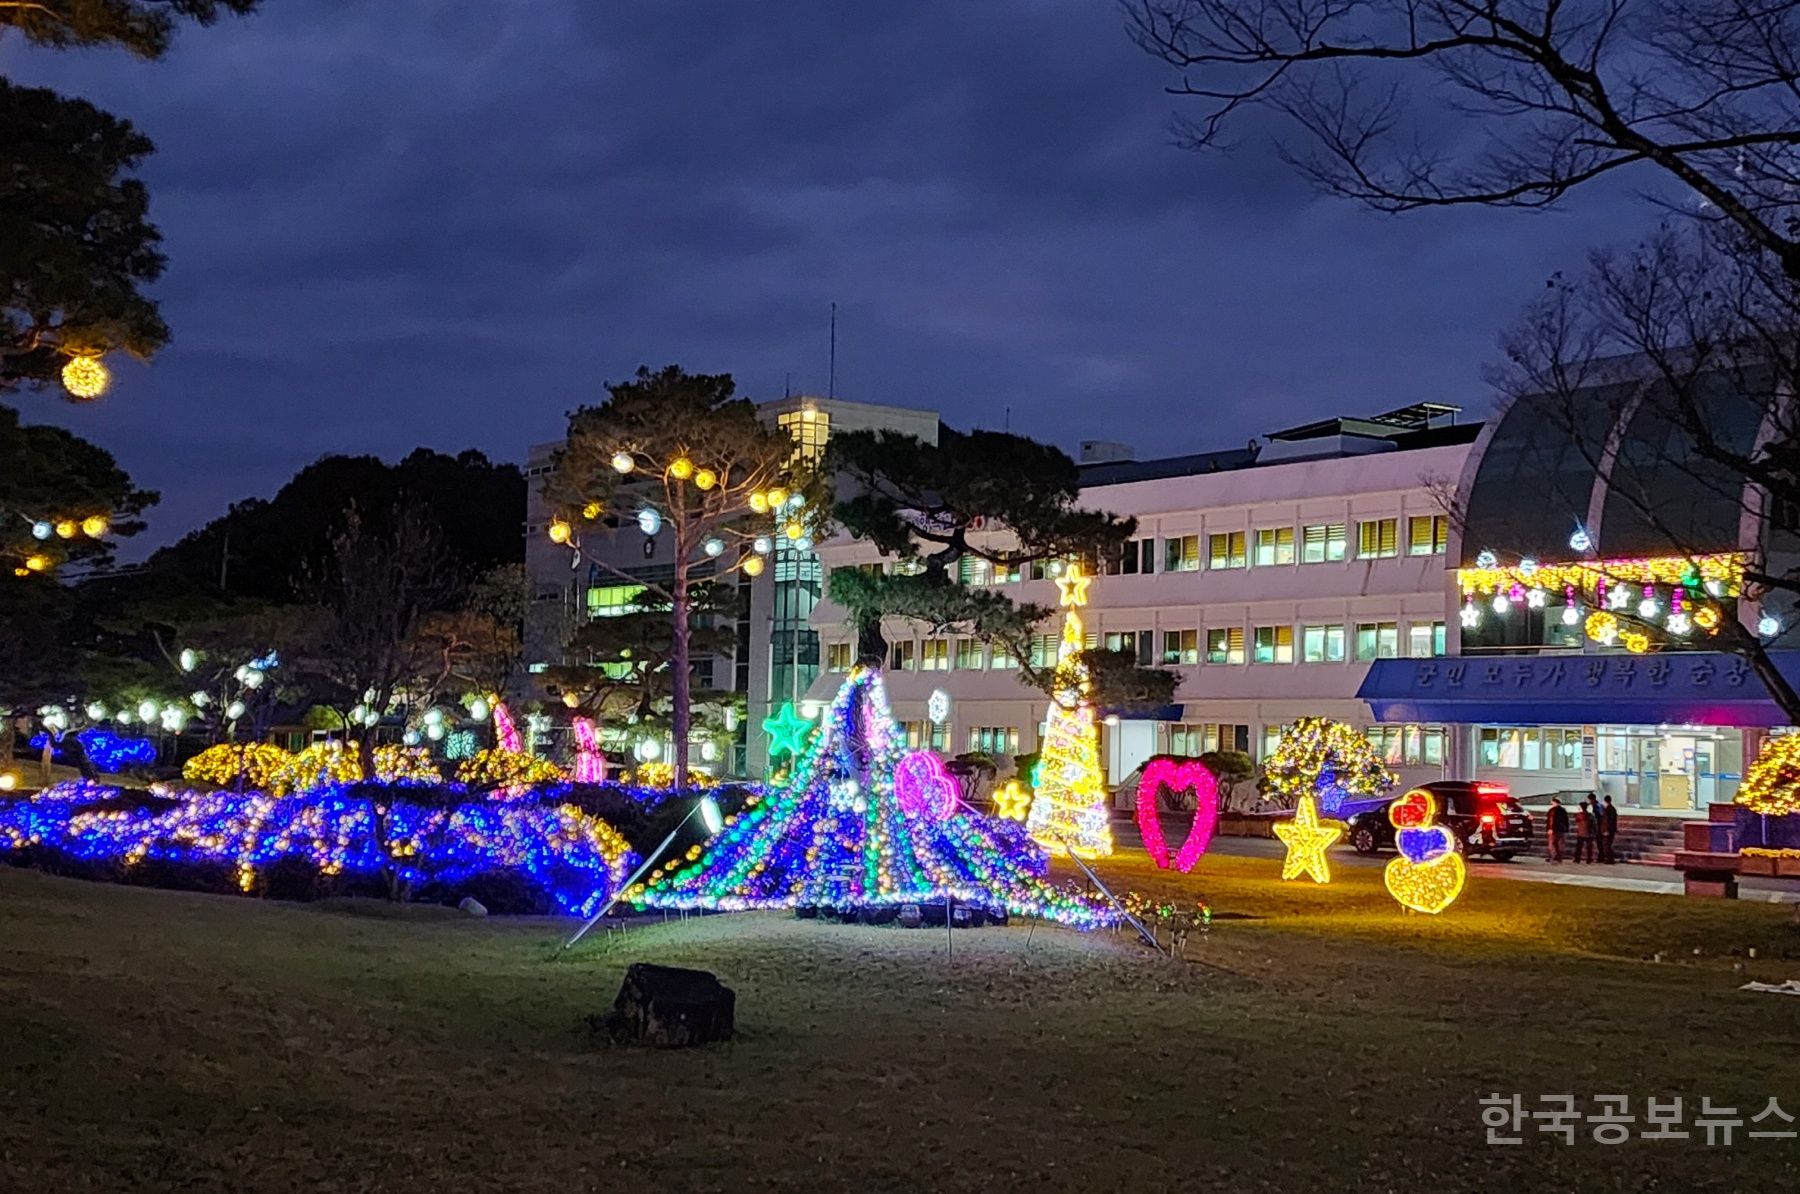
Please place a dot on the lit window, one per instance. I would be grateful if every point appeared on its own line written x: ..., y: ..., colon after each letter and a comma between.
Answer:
x: 1181, y: 554
x: 1427, y: 535
x: 996, y: 741
x: 612, y: 601
x: 1181, y: 646
x: 934, y: 655
x: 837, y: 657
x: 1275, y: 644
x: 901, y: 656
x: 1002, y: 659
x: 1274, y: 546
x: 810, y: 428
x: 1322, y: 644
x: 1377, y: 640
x: 1225, y: 645
x: 1226, y: 550
x: 1323, y: 543
x: 1044, y: 649
x: 1425, y: 640
x: 969, y: 655
x: 1378, y: 539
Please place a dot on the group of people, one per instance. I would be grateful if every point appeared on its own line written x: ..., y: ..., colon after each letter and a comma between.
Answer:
x: 1596, y: 825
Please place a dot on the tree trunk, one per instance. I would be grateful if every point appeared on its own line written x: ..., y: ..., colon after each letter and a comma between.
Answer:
x: 678, y: 668
x: 7, y: 735
x: 365, y: 753
x: 871, y: 644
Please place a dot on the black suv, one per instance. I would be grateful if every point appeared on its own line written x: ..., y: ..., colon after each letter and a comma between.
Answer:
x: 1484, y: 817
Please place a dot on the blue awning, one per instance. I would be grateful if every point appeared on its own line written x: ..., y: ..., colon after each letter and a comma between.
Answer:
x: 1678, y: 688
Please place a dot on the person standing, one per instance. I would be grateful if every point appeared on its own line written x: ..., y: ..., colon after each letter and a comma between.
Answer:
x: 1609, y: 829
x: 1556, y: 828
x: 1584, y: 832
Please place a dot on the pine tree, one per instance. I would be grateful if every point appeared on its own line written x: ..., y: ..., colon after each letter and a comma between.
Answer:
x: 863, y: 823
x: 1068, y: 813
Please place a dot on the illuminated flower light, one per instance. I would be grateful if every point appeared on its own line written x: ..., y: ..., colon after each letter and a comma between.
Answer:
x: 86, y: 377
x: 808, y: 844
x: 1189, y: 775
x: 1069, y: 811
x: 924, y: 788
x: 1535, y: 599
x: 253, y: 764
x: 42, y: 530
x: 658, y: 776
x: 1772, y: 785
x: 1487, y: 560
x: 578, y: 860
x: 1602, y: 627
x: 649, y: 520
x: 590, y: 764
x: 759, y: 503
x: 1768, y: 626
x: 1707, y: 618
x: 1328, y: 761
x: 592, y: 510
x: 106, y: 750
x: 317, y: 766
x: 1636, y: 641
x: 1307, y: 838
x: 1429, y: 873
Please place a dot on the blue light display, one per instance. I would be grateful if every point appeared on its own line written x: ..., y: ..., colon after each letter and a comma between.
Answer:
x: 107, y: 750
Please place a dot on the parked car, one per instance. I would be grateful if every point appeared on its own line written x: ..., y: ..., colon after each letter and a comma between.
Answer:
x: 1484, y: 817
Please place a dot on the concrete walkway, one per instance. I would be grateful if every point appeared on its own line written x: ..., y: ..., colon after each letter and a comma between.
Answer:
x: 1623, y: 876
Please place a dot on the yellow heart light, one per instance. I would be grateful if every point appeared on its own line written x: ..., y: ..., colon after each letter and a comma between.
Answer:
x: 1428, y: 887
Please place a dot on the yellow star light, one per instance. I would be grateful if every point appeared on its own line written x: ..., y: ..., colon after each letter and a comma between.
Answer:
x: 1307, y: 838
x: 1074, y: 585
x: 1013, y: 801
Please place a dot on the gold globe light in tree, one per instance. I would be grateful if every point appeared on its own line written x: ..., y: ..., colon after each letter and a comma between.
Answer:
x: 86, y: 377
x: 94, y: 526
x: 759, y: 502
x: 560, y: 531
x: 752, y: 565
x: 681, y: 468
x: 705, y: 479
x: 66, y: 528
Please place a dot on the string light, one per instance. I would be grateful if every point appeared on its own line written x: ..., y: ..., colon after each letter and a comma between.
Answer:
x: 924, y: 788
x: 1725, y: 568
x: 1307, y: 838
x: 1327, y: 761
x: 1772, y: 785
x: 86, y: 377
x: 835, y: 836
x: 1068, y: 812
x: 1185, y: 776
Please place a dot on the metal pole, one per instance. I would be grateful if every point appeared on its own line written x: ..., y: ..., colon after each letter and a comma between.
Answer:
x: 949, y: 932
x: 626, y: 886
x: 1146, y: 934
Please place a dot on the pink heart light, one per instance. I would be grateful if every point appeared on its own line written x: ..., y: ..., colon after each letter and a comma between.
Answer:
x: 923, y: 786
x: 1178, y: 777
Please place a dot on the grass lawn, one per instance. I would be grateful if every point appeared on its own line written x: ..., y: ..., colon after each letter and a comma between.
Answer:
x: 158, y: 1040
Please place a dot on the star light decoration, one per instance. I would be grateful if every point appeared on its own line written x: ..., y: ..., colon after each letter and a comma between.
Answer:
x: 1307, y: 838
x: 1012, y: 800
x: 787, y: 731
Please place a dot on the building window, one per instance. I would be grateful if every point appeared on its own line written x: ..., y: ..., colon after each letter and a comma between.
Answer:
x: 1001, y: 660
x: 612, y: 601
x: 1408, y: 745
x: 1377, y: 640
x: 1322, y: 644
x: 1275, y: 644
x: 923, y: 735
x: 1323, y: 543
x: 1225, y: 645
x: 972, y: 570
x: 1271, y: 737
x: 1006, y: 574
x: 1274, y: 546
x: 998, y: 741
x: 1044, y: 649
x: 1425, y: 640
x: 901, y: 656
x: 837, y: 657
x: 810, y: 428
x: 1181, y: 646
x: 934, y: 655
x: 1196, y: 740
x: 1139, y: 643
x: 1378, y: 539
x: 1133, y: 557
x: 1226, y: 550
x: 1427, y: 535
x: 1181, y: 554
x: 1530, y: 748
x: 969, y: 655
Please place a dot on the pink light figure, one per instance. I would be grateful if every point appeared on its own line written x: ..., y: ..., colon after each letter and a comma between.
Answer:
x: 1178, y: 777
x: 923, y: 786
x: 590, y: 764
x: 505, y: 732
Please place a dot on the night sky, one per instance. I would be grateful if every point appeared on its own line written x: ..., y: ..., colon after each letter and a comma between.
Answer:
x: 393, y: 224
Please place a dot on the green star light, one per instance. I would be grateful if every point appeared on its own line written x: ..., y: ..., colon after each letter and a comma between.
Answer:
x: 787, y: 731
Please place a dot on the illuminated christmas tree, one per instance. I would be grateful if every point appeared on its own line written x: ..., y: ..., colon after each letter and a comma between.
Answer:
x: 1329, y: 761
x: 1772, y: 785
x: 863, y: 823
x: 1068, y: 811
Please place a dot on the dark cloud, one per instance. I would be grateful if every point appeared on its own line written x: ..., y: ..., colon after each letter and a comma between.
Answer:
x: 446, y: 224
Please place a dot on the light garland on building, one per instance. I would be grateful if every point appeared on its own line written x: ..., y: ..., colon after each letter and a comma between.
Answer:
x: 1429, y: 873
x: 1674, y: 593
x: 1772, y: 785
x: 1068, y: 810
x: 834, y: 836
x: 1725, y: 569
x: 576, y: 859
x: 1327, y: 760
x: 1307, y: 838
x: 1183, y: 776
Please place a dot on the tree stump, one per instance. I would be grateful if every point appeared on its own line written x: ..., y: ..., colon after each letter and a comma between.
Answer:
x: 671, y: 1008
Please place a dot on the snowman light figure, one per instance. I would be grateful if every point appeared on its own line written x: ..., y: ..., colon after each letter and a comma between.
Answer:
x: 1429, y: 873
